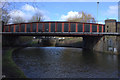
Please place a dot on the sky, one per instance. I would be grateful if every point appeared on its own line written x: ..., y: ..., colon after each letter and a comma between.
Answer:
x: 60, y: 11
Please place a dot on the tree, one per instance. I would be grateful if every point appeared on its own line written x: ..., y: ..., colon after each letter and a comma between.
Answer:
x: 37, y: 17
x: 84, y: 18
x: 18, y: 19
x: 6, y: 8
x: 4, y: 12
x: 5, y: 16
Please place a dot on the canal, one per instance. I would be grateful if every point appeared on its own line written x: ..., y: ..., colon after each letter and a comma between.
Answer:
x: 63, y: 62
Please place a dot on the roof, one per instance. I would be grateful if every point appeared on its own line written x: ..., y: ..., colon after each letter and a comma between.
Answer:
x: 110, y: 20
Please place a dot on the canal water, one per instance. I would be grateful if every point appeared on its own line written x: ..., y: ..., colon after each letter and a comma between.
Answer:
x: 62, y: 62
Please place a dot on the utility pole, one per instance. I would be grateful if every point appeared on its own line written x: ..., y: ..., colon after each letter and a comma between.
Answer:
x: 119, y: 11
x: 97, y: 10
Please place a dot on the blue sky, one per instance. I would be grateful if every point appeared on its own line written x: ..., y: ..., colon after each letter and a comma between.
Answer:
x: 59, y: 11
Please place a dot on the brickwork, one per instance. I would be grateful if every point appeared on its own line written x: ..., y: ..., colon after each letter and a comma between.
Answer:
x: 118, y: 27
x: 110, y: 25
x: 111, y: 42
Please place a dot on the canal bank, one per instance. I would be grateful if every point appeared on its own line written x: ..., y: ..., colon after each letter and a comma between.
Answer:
x: 75, y: 42
x: 47, y: 58
x: 9, y: 68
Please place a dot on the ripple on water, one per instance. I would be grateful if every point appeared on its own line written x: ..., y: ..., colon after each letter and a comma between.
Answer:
x: 63, y: 62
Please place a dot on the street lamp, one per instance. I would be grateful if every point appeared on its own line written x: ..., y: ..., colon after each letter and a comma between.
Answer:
x: 119, y: 11
x: 97, y: 11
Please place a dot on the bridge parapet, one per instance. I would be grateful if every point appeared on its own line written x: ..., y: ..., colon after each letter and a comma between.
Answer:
x: 54, y: 27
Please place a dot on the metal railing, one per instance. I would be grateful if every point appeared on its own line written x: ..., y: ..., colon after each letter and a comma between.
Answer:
x: 54, y: 27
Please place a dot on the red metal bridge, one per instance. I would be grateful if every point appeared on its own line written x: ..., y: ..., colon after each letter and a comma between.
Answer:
x: 54, y: 29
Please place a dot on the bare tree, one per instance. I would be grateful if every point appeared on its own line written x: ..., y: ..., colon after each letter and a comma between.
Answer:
x: 18, y: 19
x: 6, y: 18
x: 4, y: 12
x: 37, y: 17
x: 84, y: 18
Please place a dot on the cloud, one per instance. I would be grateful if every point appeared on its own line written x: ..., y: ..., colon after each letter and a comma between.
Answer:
x: 101, y: 22
x: 112, y: 10
x: 28, y: 7
x: 71, y: 14
x: 17, y: 13
x: 31, y: 9
x: 26, y: 12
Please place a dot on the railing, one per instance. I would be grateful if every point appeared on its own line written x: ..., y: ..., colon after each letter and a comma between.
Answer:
x: 54, y: 27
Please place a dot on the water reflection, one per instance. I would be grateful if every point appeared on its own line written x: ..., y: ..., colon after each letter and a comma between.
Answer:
x: 61, y: 62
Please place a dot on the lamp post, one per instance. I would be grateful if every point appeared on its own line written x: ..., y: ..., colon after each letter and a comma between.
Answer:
x: 97, y: 11
x: 119, y: 11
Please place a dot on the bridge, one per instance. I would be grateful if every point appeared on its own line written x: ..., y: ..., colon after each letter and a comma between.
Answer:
x: 93, y: 33
x: 55, y: 29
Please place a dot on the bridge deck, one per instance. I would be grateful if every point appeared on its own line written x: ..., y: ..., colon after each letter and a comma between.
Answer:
x: 60, y: 33
x: 56, y: 29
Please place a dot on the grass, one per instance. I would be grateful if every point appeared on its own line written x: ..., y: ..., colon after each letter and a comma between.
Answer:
x: 71, y: 42
x: 34, y: 42
x: 9, y: 68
